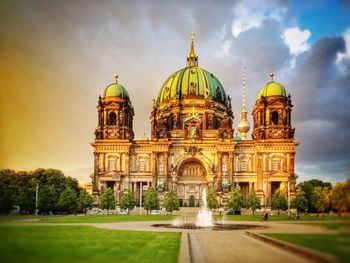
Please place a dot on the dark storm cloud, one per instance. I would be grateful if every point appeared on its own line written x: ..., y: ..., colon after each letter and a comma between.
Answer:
x: 321, y: 113
x: 204, y: 17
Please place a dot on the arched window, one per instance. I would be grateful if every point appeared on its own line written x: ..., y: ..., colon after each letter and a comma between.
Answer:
x: 142, y: 165
x: 111, y: 163
x: 243, y: 166
x: 274, y: 118
x: 224, y: 167
x: 161, y: 167
x: 112, y: 117
x: 275, y: 165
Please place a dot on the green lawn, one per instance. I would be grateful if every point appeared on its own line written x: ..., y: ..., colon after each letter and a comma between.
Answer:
x: 85, y: 244
x: 106, y: 218
x: 280, y: 218
x: 340, y: 226
x: 85, y: 219
x: 335, y: 244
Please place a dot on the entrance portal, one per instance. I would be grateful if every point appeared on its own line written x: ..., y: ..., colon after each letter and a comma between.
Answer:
x: 191, y: 181
x: 191, y: 201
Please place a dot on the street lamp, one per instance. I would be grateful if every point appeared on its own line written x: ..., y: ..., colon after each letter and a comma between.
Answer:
x: 288, y: 187
x: 36, y: 198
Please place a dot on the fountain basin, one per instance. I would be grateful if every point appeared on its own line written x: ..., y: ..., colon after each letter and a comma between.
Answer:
x: 215, y: 227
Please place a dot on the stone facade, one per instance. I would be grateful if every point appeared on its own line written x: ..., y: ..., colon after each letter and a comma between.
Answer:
x: 192, y: 144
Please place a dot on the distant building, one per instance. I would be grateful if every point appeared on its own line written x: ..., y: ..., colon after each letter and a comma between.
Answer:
x: 192, y: 142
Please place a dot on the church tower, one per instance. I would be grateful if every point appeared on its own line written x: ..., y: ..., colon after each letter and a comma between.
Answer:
x: 272, y: 113
x: 115, y: 114
x: 113, y: 137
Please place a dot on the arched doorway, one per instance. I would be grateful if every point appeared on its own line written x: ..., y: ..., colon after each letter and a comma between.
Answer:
x: 191, y: 180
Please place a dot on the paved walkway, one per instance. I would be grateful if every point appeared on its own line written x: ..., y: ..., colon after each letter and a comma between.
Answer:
x: 227, y: 246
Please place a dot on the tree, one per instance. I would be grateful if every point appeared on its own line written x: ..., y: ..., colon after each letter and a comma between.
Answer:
x: 171, y: 202
x: 235, y: 200
x: 321, y: 199
x: 308, y: 188
x: 7, y: 191
x: 253, y: 202
x: 299, y: 202
x: 107, y: 200
x: 128, y: 201
x: 84, y: 201
x: 46, y: 200
x: 26, y: 199
x: 67, y: 202
x: 151, y: 201
x: 212, y: 202
x: 340, y: 197
x: 279, y: 201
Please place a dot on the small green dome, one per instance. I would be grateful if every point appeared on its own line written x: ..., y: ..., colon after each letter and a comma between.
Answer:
x: 272, y: 89
x: 116, y: 90
x: 192, y: 80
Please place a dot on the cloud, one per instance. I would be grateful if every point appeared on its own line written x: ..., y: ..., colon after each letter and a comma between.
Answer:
x: 344, y: 56
x: 250, y: 14
x: 320, y: 115
x: 296, y: 39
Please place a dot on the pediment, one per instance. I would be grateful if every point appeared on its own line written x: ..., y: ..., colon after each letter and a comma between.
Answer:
x: 113, y: 174
x: 279, y: 173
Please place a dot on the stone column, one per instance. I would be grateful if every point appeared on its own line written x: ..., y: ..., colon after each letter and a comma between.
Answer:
x: 292, y: 177
x: 259, y: 171
x: 154, y: 170
x: 96, y: 170
x: 127, y: 169
x: 291, y: 169
x: 166, y: 170
x: 219, y: 172
x: 104, y: 117
x: 230, y: 169
x: 204, y: 121
x: 104, y: 162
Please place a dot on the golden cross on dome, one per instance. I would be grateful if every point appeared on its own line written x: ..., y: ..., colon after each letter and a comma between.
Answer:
x: 192, y: 36
x: 116, y: 77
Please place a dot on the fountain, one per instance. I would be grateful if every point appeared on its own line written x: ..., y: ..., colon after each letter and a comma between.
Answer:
x: 204, y: 220
x: 204, y: 217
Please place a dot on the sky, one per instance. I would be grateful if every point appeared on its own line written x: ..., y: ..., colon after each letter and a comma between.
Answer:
x: 57, y: 57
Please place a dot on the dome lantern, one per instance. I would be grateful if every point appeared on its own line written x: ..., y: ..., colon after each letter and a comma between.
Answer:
x: 116, y: 90
x: 192, y: 58
x: 272, y: 88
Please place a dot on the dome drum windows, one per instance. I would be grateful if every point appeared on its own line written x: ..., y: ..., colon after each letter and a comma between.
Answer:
x: 112, y: 118
x: 274, y: 118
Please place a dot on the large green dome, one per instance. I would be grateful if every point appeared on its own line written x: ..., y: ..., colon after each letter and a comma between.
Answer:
x: 116, y: 90
x: 192, y: 80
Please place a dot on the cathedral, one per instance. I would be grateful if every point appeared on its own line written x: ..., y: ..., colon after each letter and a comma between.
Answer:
x: 192, y: 144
